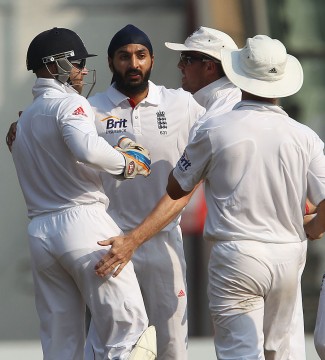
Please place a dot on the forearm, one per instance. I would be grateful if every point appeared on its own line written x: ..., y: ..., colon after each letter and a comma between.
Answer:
x: 94, y: 151
x: 165, y: 211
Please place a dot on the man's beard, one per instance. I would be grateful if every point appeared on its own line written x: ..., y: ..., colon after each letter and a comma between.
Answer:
x: 129, y: 87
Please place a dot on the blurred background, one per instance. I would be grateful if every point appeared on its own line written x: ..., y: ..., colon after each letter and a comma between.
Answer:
x: 297, y: 23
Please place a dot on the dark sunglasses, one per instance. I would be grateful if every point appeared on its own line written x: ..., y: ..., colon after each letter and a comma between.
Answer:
x: 80, y: 64
x: 189, y: 59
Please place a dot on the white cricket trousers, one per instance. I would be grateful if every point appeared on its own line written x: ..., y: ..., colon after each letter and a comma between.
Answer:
x: 64, y: 251
x: 160, y: 268
x: 253, y: 289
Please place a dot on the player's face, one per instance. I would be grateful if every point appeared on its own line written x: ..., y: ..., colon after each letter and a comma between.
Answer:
x: 77, y: 74
x: 131, y: 67
x: 192, y: 65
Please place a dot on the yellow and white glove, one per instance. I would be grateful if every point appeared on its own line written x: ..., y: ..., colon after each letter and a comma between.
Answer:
x: 137, y: 158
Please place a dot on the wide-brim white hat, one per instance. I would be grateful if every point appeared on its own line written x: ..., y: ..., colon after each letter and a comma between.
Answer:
x: 263, y: 68
x: 207, y: 41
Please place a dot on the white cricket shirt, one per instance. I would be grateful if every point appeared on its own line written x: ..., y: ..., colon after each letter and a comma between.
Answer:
x: 217, y: 98
x: 161, y: 122
x: 259, y: 165
x: 56, y: 136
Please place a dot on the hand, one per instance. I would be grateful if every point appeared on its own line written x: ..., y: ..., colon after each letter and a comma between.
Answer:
x: 120, y: 253
x: 11, y: 135
x: 137, y: 158
x: 310, y: 225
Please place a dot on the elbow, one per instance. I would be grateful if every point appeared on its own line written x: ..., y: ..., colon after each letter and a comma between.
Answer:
x: 86, y: 158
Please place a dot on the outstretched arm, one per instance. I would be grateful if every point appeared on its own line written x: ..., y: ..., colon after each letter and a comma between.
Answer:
x: 123, y: 247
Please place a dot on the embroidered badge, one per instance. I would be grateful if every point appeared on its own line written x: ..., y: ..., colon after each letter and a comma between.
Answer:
x: 162, y: 122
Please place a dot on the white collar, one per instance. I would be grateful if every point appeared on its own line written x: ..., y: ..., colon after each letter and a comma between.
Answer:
x: 208, y: 94
x: 259, y: 106
x: 117, y: 97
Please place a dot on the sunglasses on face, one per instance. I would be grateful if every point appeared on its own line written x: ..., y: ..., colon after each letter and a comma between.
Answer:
x: 79, y: 64
x: 188, y: 59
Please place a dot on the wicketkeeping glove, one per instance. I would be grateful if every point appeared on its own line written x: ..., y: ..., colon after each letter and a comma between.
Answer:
x: 137, y: 158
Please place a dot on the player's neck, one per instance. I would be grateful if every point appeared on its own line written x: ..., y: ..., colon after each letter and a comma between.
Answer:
x: 136, y: 98
x: 248, y: 96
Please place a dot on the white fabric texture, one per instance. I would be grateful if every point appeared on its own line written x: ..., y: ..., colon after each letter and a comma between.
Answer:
x: 217, y: 98
x: 161, y: 123
x: 252, y: 293
x: 64, y: 251
x: 67, y: 206
x: 56, y: 137
x: 231, y: 151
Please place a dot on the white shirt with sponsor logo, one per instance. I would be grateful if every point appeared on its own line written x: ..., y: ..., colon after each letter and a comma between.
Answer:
x: 258, y: 165
x: 161, y: 123
x: 56, y: 136
x: 217, y: 98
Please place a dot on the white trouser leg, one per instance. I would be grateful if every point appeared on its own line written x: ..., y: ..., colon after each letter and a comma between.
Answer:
x: 64, y: 251
x: 161, y: 270
x: 297, y: 331
x: 252, y: 292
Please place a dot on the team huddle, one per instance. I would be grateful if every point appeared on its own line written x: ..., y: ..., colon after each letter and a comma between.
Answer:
x: 115, y: 170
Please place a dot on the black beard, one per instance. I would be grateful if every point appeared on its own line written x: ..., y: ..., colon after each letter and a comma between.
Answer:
x: 129, y: 87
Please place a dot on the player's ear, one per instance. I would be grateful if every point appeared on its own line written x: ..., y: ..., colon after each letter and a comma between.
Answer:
x: 152, y: 61
x: 210, y: 65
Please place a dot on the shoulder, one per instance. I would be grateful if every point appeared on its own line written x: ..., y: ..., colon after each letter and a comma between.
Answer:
x: 174, y: 92
x: 302, y: 128
x: 180, y: 98
x: 97, y: 98
x: 76, y: 104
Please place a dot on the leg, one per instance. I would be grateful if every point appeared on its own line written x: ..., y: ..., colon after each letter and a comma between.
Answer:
x: 297, y: 333
x: 160, y: 265
x: 252, y: 292
x: 236, y: 303
x: 59, y: 306
x: 116, y: 304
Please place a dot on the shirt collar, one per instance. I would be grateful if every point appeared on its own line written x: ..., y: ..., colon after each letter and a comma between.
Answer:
x: 117, y: 97
x: 45, y: 85
x: 208, y: 94
x: 259, y: 106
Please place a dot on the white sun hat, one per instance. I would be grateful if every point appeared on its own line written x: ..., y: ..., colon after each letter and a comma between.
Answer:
x: 207, y: 41
x: 263, y: 68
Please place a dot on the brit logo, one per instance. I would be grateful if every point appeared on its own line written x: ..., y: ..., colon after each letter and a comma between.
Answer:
x: 184, y: 163
x: 115, y: 124
x: 162, y: 122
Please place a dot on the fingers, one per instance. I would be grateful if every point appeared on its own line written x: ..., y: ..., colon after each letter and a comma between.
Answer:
x: 110, y: 263
x: 104, y: 242
x: 111, y: 266
x: 11, y: 136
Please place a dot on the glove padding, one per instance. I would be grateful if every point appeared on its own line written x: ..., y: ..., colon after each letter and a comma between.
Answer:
x: 137, y: 158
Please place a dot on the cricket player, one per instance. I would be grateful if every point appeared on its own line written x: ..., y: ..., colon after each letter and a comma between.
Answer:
x: 160, y: 119
x: 203, y: 76
x: 202, y: 72
x: 259, y: 166
x: 58, y: 158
